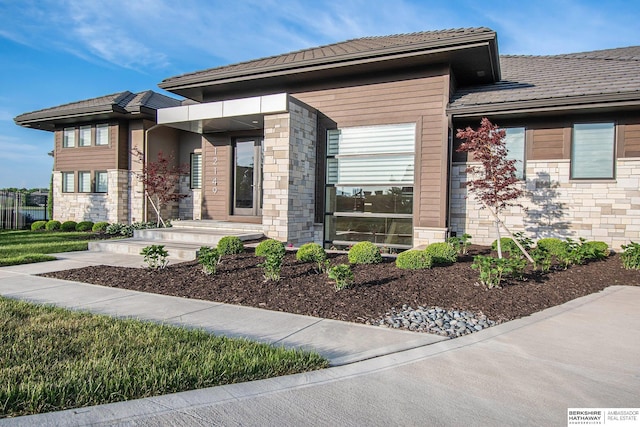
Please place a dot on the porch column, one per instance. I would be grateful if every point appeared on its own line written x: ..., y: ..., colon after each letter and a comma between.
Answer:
x: 289, y: 174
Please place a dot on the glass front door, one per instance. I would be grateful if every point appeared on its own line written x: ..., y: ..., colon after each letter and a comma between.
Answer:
x: 247, y: 198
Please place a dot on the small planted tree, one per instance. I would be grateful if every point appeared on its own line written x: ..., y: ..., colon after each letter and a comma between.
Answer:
x: 161, y: 181
x: 494, y: 181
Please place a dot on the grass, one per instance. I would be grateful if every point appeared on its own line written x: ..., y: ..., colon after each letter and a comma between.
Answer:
x: 23, y: 247
x: 53, y: 359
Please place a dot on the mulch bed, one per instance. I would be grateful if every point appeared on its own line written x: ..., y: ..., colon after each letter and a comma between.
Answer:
x: 378, y: 288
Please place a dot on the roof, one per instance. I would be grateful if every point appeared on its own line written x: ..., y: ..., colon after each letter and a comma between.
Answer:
x: 600, y: 77
x: 119, y: 104
x: 338, y: 55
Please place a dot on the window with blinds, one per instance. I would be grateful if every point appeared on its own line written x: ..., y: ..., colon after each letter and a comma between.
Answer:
x: 514, y: 141
x: 85, y: 136
x: 102, y: 134
x: 69, y: 137
x: 593, y: 151
x: 84, y: 182
x: 102, y: 182
x: 68, y: 184
x: 196, y: 170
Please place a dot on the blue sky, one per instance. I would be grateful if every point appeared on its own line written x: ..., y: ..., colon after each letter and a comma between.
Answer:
x: 58, y: 51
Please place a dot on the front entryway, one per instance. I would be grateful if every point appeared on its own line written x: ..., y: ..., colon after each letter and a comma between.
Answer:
x: 247, y: 177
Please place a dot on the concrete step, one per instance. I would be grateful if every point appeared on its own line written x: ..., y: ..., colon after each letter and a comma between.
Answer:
x: 199, y: 236
x: 218, y: 225
x: 133, y: 246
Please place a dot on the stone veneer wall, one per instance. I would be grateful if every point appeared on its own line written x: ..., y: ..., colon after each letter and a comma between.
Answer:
x: 289, y: 175
x: 554, y: 206
x: 423, y: 236
x: 111, y: 206
x: 189, y: 207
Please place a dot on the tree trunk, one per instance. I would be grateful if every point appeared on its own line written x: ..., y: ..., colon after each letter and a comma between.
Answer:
x: 499, y: 240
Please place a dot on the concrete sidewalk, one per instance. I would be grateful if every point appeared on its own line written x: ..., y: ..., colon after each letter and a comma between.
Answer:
x: 583, y: 354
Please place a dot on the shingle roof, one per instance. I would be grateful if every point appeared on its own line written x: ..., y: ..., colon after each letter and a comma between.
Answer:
x: 121, y: 102
x: 362, y: 47
x: 557, y: 79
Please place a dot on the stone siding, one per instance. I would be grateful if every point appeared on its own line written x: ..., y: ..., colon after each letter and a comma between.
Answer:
x: 289, y: 175
x: 111, y: 206
x: 189, y: 207
x: 555, y: 206
x: 423, y: 236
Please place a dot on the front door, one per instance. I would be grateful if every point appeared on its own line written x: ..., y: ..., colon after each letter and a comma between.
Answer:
x: 247, y: 176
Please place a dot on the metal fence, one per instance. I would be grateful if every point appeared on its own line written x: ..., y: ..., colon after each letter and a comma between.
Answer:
x: 20, y: 210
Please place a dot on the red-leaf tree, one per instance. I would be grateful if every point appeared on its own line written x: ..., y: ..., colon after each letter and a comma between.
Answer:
x: 493, y: 182
x: 161, y: 180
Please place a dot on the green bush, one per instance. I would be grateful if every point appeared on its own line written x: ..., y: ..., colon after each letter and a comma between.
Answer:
x: 100, y: 227
x: 413, y: 260
x: 312, y: 252
x: 208, y: 258
x: 460, y: 243
x: 541, y: 259
x: 38, y: 225
x: 53, y: 225
x: 68, y: 226
x: 230, y: 245
x: 631, y: 256
x: 507, y: 244
x: 552, y: 245
x: 492, y: 270
x: 274, y: 252
x: 84, y: 226
x: 155, y: 256
x: 595, y: 250
x: 442, y: 253
x: 342, y: 275
x: 364, y: 253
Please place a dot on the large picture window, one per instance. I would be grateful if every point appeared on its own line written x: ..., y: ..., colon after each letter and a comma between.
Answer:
x: 593, y: 151
x: 369, y: 188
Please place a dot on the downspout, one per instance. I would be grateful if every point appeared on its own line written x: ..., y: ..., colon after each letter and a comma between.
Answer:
x: 145, y: 143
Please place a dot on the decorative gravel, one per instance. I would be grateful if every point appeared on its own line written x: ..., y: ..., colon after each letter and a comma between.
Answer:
x: 435, y: 320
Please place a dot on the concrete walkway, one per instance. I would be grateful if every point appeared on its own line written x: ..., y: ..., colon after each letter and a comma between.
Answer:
x: 583, y: 354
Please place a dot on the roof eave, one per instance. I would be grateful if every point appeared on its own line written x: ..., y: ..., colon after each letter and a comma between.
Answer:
x: 583, y: 102
x: 191, y: 81
x: 46, y: 121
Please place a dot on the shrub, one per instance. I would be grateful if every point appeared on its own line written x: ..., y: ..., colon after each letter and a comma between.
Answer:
x: 631, y: 256
x: 595, y: 250
x: 38, y: 225
x: 442, y: 253
x: 413, y: 260
x: 68, y: 226
x: 541, y: 259
x: 155, y: 256
x: 364, y: 253
x: 53, y: 225
x: 312, y: 252
x: 342, y: 275
x: 492, y: 270
x: 460, y: 244
x: 274, y: 252
x: 230, y: 245
x: 507, y: 244
x: 100, y: 227
x: 84, y: 226
x: 208, y: 258
x: 552, y: 245
x: 127, y: 230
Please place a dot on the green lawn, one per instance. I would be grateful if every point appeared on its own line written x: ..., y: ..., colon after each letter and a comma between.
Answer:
x: 53, y: 359
x: 23, y: 247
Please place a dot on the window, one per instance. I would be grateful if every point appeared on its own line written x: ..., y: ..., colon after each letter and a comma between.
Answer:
x: 84, y: 182
x: 369, y: 187
x: 196, y: 170
x: 69, y: 137
x: 514, y: 141
x: 102, y: 134
x: 592, y: 151
x: 68, y: 184
x: 85, y: 136
x: 102, y: 182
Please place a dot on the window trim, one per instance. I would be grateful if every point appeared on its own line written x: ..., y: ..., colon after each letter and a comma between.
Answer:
x: 97, y: 181
x: 64, y: 188
x: 613, y: 141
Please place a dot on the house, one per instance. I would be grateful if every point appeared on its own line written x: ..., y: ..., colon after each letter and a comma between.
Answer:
x: 356, y: 141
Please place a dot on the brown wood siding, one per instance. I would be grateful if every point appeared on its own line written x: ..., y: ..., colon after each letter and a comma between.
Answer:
x: 420, y: 99
x: 124, y: 151
x: 216, y: 163
x: 548, y: 143
x: 631, y: 140
x: 85, y: 158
